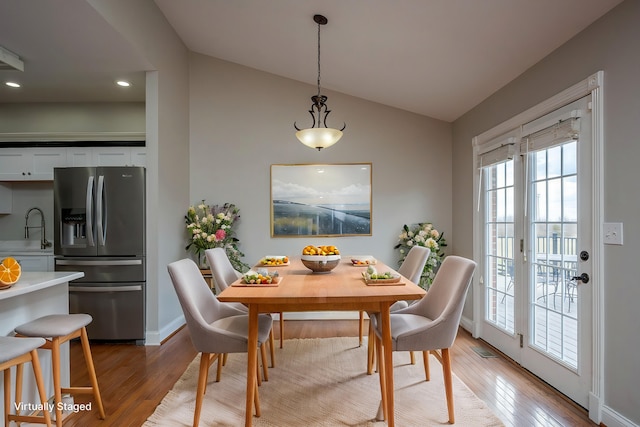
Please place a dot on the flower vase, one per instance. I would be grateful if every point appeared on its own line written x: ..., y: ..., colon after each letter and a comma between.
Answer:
x: 202, y: 261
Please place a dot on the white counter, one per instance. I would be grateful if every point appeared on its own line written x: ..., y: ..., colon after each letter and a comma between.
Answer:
x: 35, y: 281
x: 37, y: 294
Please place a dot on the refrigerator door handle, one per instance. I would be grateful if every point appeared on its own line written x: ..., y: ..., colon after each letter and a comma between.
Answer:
x: 89, y: 210
x: 96, y: 289
x: 101, y: 220
x: 99, y: 262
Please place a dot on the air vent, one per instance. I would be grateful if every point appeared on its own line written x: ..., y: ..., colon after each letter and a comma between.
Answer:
x: 10, y: 61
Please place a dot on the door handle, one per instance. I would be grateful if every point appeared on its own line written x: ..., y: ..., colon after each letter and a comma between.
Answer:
x: 584, y: 278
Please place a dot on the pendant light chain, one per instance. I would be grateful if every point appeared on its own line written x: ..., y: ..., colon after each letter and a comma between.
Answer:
x: 318, y: 59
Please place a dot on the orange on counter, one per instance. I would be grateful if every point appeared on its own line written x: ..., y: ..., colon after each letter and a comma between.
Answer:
x: 10, y: 271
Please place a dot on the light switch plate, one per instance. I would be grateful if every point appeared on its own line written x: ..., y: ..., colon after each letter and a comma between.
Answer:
x: 613, y: 233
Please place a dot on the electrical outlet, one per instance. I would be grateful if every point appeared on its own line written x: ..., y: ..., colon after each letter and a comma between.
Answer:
x: 612, y: 233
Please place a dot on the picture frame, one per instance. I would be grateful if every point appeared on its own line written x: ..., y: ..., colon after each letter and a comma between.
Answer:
x: 321, y: 200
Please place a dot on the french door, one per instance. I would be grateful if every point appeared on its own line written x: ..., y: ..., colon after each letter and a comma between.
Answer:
x: 535, y: 208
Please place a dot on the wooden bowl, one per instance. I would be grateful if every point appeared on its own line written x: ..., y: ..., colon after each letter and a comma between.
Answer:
x: 320, y: 263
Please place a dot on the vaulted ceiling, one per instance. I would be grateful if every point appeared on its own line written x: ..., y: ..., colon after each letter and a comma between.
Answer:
x: 438, y: 58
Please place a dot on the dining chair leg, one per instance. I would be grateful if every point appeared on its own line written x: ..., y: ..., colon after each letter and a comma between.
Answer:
x: 281, y: 330
x: 448, y: 382
x: 212, y: 358
x: 202, y: 384
x: 360, y: 328
x: 258, y: 376
x: 272, y: 348
x: 370, y: 349
x: 263, y: 354
x: 256, y: 399
x: 413, y: 358
x: 425, y: 361
x: 220, y: 364
x: 381, y: 374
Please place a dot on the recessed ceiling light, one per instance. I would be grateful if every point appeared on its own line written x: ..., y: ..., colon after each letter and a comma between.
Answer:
x: 123, y: 83
x: 12, y: 84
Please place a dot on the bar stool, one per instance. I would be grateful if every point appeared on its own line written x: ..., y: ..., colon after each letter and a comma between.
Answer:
x: 14, y: 352
x: 57, y: 329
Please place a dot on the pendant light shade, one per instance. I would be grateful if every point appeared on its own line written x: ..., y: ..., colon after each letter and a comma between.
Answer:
x: 319, y: 136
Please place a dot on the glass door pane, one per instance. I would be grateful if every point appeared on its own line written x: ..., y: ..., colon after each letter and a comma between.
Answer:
x: 500, y: 242
x: 554, y: 243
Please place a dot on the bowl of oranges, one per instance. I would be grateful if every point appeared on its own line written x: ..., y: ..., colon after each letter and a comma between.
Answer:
x: 320, y: 259
x: 10, y: 272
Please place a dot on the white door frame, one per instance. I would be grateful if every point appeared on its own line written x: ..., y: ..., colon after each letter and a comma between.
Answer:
x: 591, y: 85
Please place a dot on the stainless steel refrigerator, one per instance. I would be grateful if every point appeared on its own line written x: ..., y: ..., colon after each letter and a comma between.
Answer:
x: 99, y: 221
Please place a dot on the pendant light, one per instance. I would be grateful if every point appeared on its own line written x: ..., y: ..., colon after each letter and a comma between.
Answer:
x: 319, y: 136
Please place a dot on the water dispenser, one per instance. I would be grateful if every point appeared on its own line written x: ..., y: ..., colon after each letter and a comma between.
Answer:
x: 74, y: 227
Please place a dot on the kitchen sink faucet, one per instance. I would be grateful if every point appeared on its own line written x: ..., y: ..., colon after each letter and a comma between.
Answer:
x: 44, y: 243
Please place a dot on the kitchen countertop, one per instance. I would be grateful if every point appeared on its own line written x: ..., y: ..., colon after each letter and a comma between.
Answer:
x: 24, y: 247
x: 35, y: 281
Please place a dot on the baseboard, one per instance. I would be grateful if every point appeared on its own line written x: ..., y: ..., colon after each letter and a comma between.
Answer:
x: 611, y: 418
x: 157, y: 337
x: 467, y: 324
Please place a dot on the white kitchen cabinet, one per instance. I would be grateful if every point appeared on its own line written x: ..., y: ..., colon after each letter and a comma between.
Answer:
x: 33, y: 262
x: 119, y: 156
x: 79, y: 156
x: 111, y: 156
x: 138, y: 156
x: 6, y: 198
x: 30, y: 164
x: 36, y: 164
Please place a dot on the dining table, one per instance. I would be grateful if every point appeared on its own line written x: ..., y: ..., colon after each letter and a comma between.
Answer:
x: 341, y: 289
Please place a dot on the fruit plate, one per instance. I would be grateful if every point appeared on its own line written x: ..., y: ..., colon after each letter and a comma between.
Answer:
x: 363, y: 261
x: 275, y: 261
x: 244, y: 284
x: 395, y: 281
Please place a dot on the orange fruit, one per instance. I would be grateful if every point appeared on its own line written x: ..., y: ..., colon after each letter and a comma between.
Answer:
x: 10, y: 271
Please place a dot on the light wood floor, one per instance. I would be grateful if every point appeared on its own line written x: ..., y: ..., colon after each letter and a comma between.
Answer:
x: 134, y: 379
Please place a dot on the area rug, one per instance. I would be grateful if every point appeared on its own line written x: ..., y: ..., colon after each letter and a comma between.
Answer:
x: 321, y: 382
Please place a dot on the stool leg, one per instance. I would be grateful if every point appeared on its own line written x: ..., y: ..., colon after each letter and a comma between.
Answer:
x: 7, y: 395
x: 18, y: 397
x: 37, y: 373
x: 57, y: 387
x: 92, y: 372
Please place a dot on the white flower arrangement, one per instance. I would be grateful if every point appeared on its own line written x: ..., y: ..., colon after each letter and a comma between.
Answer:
x: 423, y: 234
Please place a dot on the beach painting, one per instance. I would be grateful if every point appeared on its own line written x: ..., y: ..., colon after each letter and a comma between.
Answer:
x: 321, y: 200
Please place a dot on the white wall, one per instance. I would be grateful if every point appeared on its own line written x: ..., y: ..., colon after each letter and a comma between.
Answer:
x: 167, y: 121
x: 69, y: 117
x: 610, y: 44
x: 241, y: 122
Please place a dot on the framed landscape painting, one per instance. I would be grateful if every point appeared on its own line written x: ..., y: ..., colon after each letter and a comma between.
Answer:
x: 321, y: 200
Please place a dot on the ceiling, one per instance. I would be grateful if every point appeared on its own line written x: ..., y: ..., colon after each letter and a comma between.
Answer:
x: 438, y: 58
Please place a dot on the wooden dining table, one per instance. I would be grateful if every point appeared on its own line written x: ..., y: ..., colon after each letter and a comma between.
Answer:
x: 342, y: 289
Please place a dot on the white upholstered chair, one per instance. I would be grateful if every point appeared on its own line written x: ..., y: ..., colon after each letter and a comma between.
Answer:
x: 411, y: 268
x: 224, y: 275
x: 215, y: 327
x: 431, y: 324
